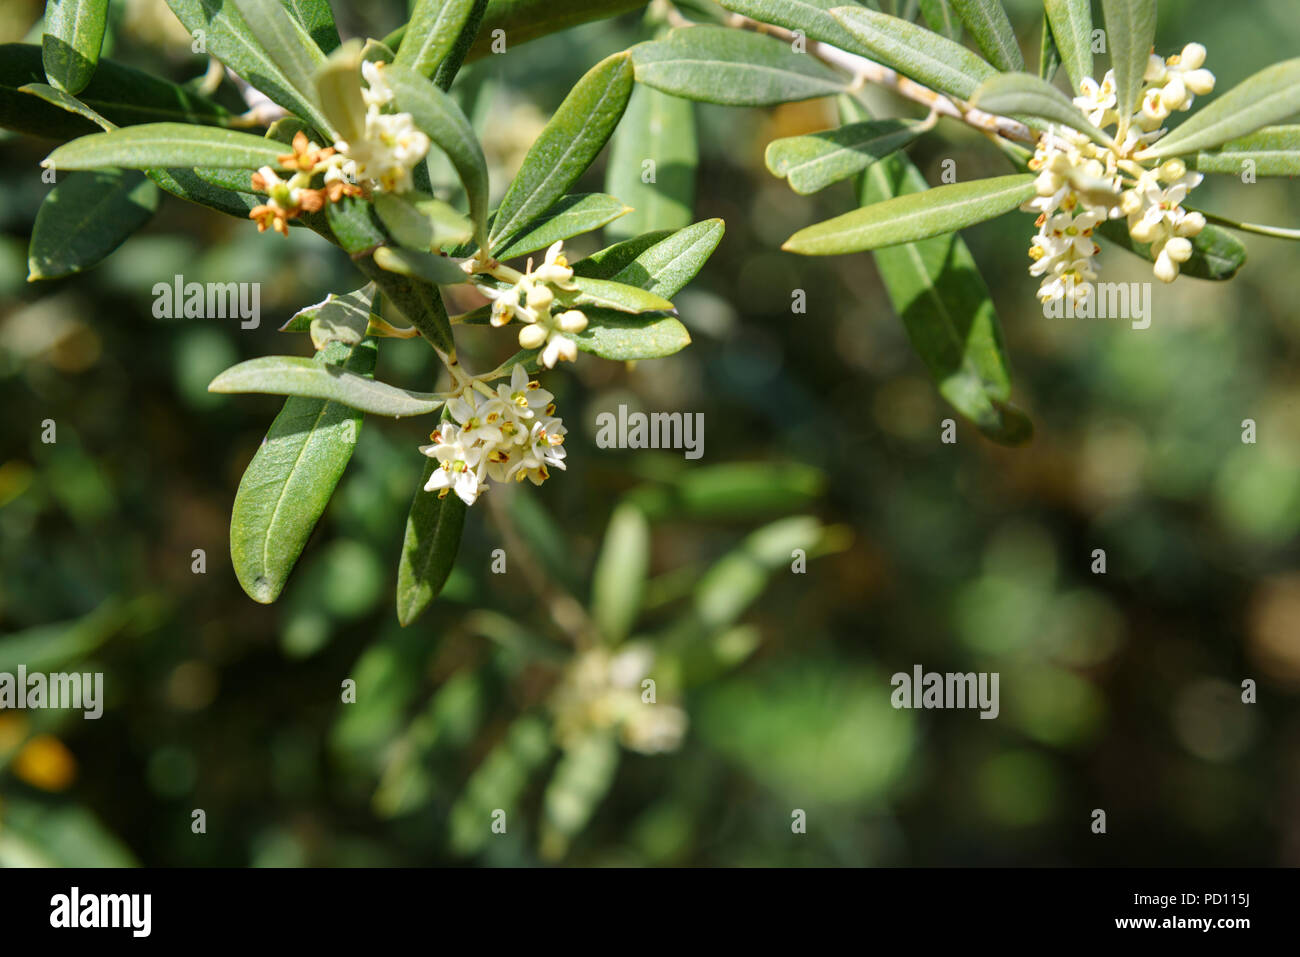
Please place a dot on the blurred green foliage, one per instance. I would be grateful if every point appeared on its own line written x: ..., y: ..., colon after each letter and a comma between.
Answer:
x: 1119, y: 691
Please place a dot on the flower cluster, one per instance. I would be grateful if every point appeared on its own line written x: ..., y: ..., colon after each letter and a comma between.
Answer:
x: 1082, y: 184
x: 511, y: 433
x: 390, y: 145
x: 602, y: 689
x: 383, y: 158
x: 531, y: 299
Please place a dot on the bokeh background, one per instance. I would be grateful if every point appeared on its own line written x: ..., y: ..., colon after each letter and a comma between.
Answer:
x: 1118, y: 691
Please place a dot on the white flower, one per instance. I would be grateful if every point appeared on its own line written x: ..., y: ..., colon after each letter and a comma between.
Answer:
x: 1097, y: 102
x: 555, y: 268
x: 390, y: 145
x: 378, y: 93
x: 458, y: 464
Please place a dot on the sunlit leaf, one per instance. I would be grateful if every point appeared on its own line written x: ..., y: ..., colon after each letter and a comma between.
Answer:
x: 291, y: 375
x: 74, y: 32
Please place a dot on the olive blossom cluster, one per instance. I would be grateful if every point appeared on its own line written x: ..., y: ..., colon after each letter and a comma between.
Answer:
x: 531, y: 298
x: 1081, y: 184
x: 510, y: 433
x: 382, y: 158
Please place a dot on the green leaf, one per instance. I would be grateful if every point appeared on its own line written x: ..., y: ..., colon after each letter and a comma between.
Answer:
x: 611, y: 294
x: 915, y: 215
x: 567, y: 145
x: 122, y: 95
x: 665, y: 267
x: 1130, y: 35
x: 1071, y: 23
x: 1275, y: 151
x: 287, y: 43
x: 656, y: 137
x: 85, y: 217
x: 582, y: 777
x: 433, y: 28
x: 618, y: 580
x: 74, y: 32
x: 433, y: 530
x: 525, y: 20
x: 623, y: 338
x: 421, y: 222
x: 1011, y: 93
x: 1049, y: 58
x: 338, y: 89
x: 317, y: 19
x: 68, y: 102
x: 939, y: 17
x: 498, y: 782
x: 813, y: 17
x: 291, y: 478
x: 231, y: 40
x: 737, y: 490
x: 442, y: 121
x: 308, y: 378
x: 924, y: 56
x: 988, y: 24
x: 1216, y: 253
x: 166, y: 144
x: 430, y: 267
x: 418, y: 302
x: 732, y: 67
x: 817, y: 160
x: 574, y: 215
x: 347, y: 309
x: 1270, y: 95
x: 936, y: 289
x: 604, y: 263
x: 187, y: 185
x: 1260, y: 229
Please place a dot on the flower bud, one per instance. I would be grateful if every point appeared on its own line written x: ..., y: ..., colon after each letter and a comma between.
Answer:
x: 1179, y: 249
x: 572, y: 321
x: 1192, y: 57
x: 1173, y: 94
x: 1166, y: 269
x: 1199, y: 82
x: 1191, y: 225
x: 540, y: 297
x: 1143, y: 231
x: 1173, y: 170
x: 532, y: 336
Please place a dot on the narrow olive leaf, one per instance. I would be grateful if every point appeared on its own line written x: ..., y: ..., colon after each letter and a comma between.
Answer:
x: 230, y: 39
x: 667, y: 266
x: 732, y: 67
x: 1260, y: 229
x: 912, y: 216
x: 433, y: 530
x: 74, y: 32
x: 605, y: 263
x: 624, y: 338
x: 574, y: 215
x: 317, y: 19
x: 285, y: 41
x: 120, y: 94
x: 1021, y: 93
x: 66, y: 101
x: 345, y: 309
x: 652, y: 162
x: 293, y: 375
x: 523, y: 20
x: 421, y: 222
x: 567, y: 145
x: 1049, y: 58
x: 418, y: 302
x: 85, y: 217
x: 744, y: 490
x: 618, y: 580
x: 166, y: 144
x: 438, y: 116
x: 987, y: 22
x: 338, y: 90
x: 938, y: 17
x: 1130, y: 34
x: 1216, y: 253
x: 581, y: 780
x: 1272, y: 151
x: 455, y: 58
x: 924, y: 56
x: 936, y: 289
x: 431, y: 267
x: 187, y: 185
x: 817, y: 160
x: 290, y: 480
x: 1071, y: 24
x: 813, y: 17
x: 1270, y: 95
x: 433, y: 29
x: 610, y: 294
